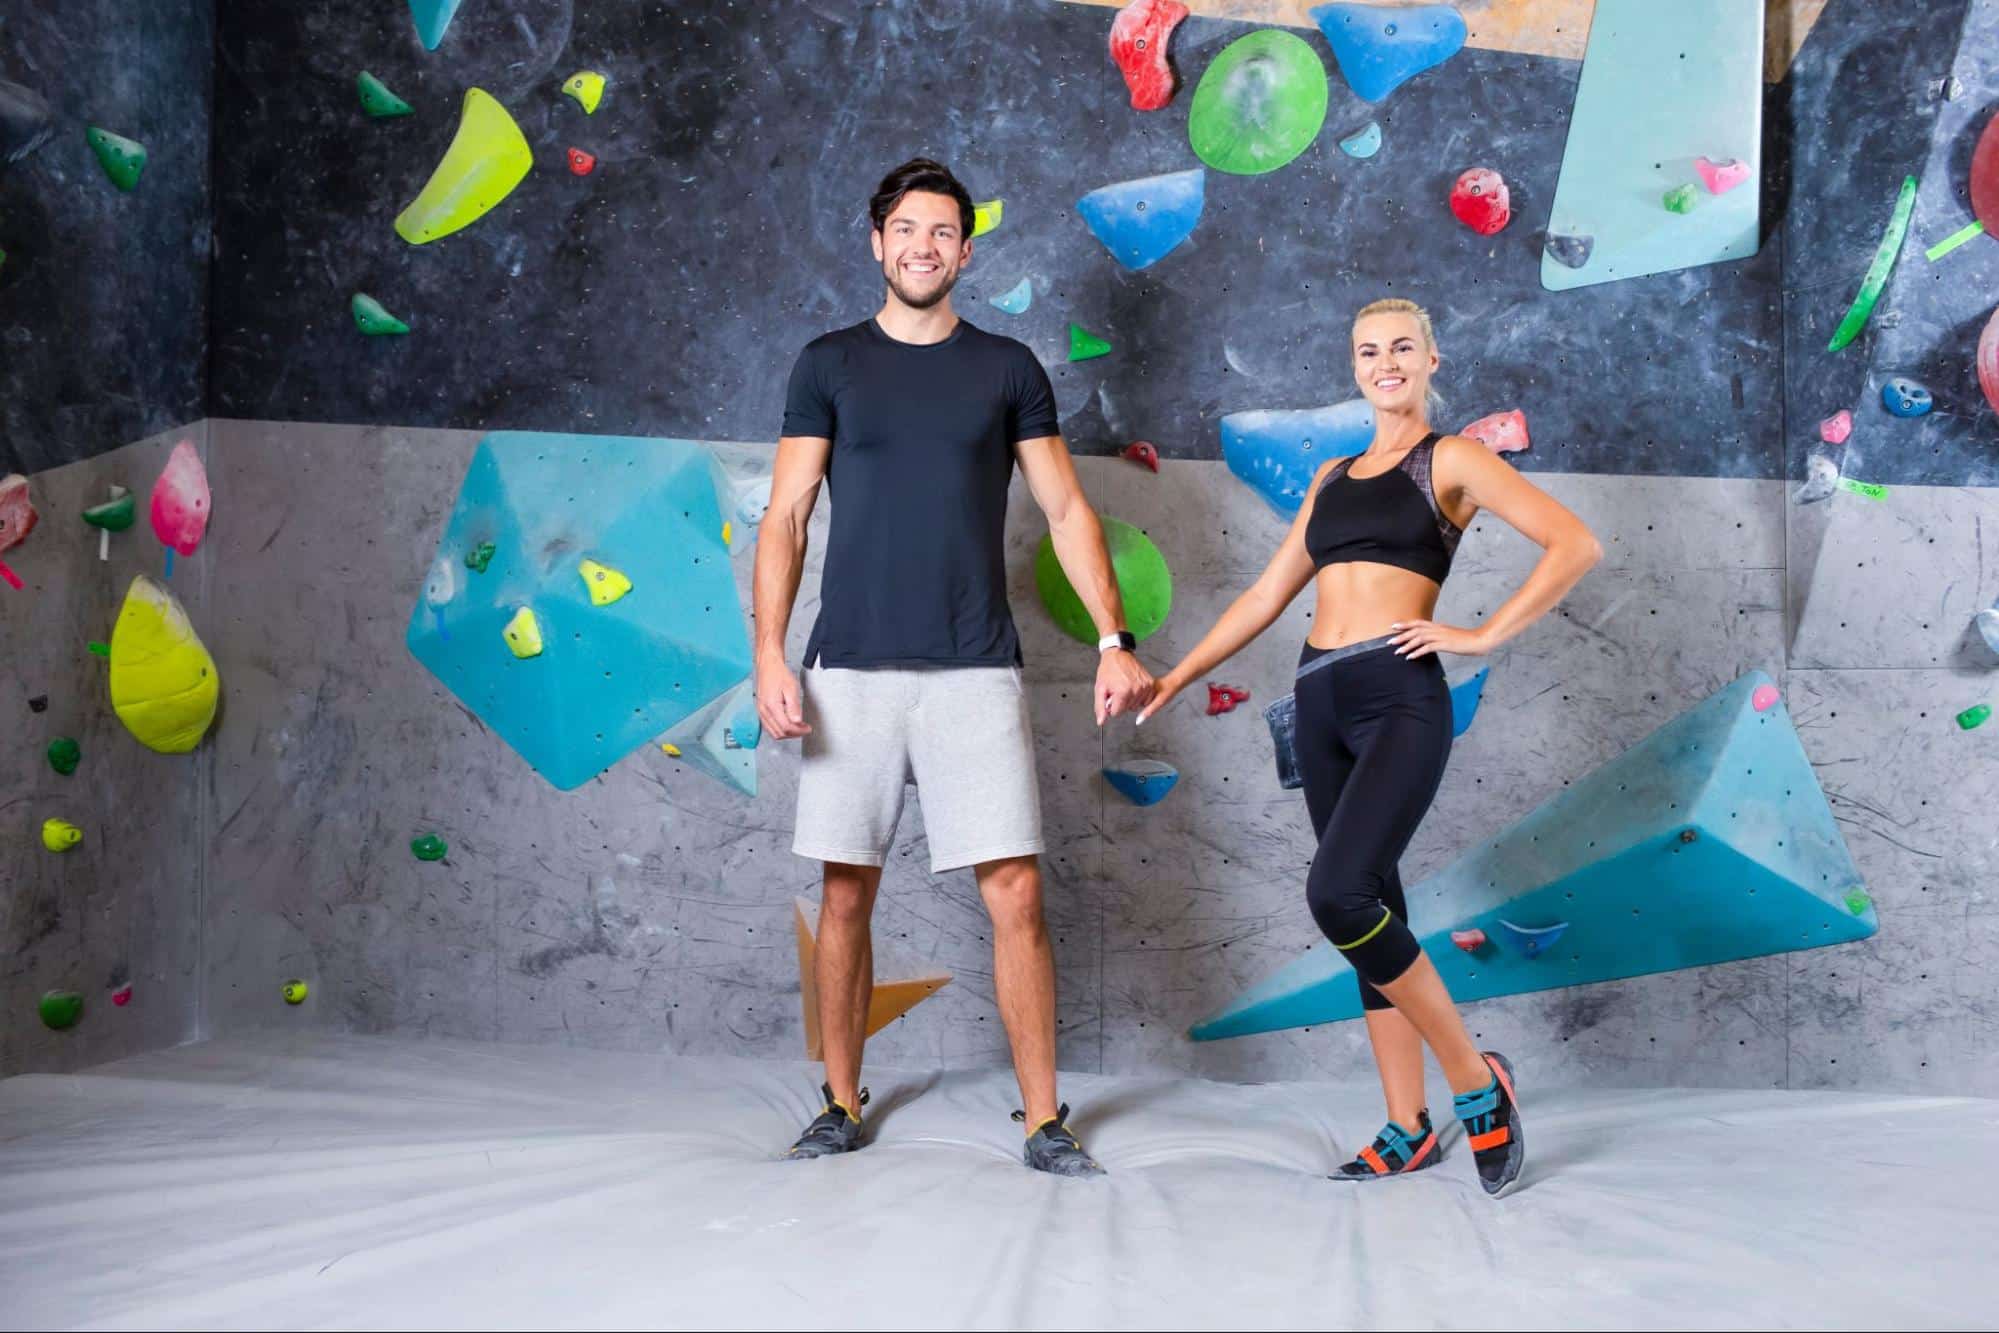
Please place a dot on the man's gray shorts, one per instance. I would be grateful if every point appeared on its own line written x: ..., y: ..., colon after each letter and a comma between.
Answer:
x: 961, y: 733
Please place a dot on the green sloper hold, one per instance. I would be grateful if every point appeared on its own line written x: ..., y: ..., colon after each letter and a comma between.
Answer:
x: 488, y: 157
x: 64, y: 755
x: 1083, y: 344
x: 1144, y: 582
x: 61, y: 1008
x: 377, y: 100
x: 113, y: 515
x: 1260, y: 104
x: 1877, y: 272
x: 429, y: 847
x: 372, y: 318
x: 122, y: 158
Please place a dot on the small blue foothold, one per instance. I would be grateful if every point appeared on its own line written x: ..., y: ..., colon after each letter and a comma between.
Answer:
x: 1379, y: 49
x: 1143, y: 781
x: 1529, y: 940
x: 1016, y: 301
x: 1464, y: 700
x: 1363, y: 143
x: 1905, y: 398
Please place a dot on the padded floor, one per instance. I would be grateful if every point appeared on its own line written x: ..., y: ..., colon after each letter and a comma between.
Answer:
x: 353, y: 1182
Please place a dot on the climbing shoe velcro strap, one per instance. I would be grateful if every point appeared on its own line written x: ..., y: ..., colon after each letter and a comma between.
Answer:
x: 1494, y: 1138
x: 1477, y: 1103
x: 1373, y: 1159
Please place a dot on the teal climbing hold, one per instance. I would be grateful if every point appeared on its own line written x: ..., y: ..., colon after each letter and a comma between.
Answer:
x: 1141, y: 221
x: 1142, y: 781
x: 432, y: 18
x: 703, y: 740
x: 1015, y: 299
x: 746, y: 729
x: 373, y: 318
x: 1709, y: 840
x: 1363, y: 143
x: 1532, y: 941
x: 1276, y: 453
x: 377, y: 100
x: 1464, y: 700
x: 1379, y: 49
x: 122, y: 159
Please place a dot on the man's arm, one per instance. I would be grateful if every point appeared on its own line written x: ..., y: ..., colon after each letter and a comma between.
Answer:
x: 780, y: 563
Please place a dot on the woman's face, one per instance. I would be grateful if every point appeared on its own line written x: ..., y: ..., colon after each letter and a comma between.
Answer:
x: 1392, y: 363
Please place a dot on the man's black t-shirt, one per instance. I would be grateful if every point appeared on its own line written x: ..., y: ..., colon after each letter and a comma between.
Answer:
x: 923, y: 438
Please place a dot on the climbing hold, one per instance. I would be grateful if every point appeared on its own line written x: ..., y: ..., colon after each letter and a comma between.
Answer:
x: 1985, y: 177
x: 1083, y: 344
x: 1821, y: 479
x: 726, y: 529
x: 745, y: 730
x: 1570, y: 250
x: 64, y: 755
x: 26, y: 122
x: 1277, y: 453
x: 1471, y: 941
x: 1481, y: 201
x: 1260, y: 103
x: 17, y: 520
x: 523, y: 634
x: 606, y: 585
x: 1904, y: 397
x: 1877, y: 271
x: 581, y: 163
x: 1531, y: 941
x: 1988, y: 627
x: 39, y: 704
x: 1016, y: 299
x: 1465, y: 696
x: 487, y: 158
x: 1679, y: 199
x: 987, y: 216
x: 1141, y: 221
x: 377, y: 100
x: 1144, y: 453
x: 479, y: 557
x: 1835, y: 428
x: 668, y: 747
x: 164, y: 685
x: 61, y: 1008
x: 432, y: 18
x: 1380, y: 49
x: 122, y: 996
x: 1501, y: 432
x: 122, y: 159
x: 710, y: 738
x: 180, y: 500
x: 113, y: 515
x: 372, y: 319
x: 429, y: 847
x: 887, y: 1001
x: 1364, y: 142
x: 98, y: 648
x: 1140, y: 35
x: 1857, y: 902
x: 1988, y: 360
x: 1969, y: 718
x: 295, y: 992
x: 1723, y: 176
x: 1142, y: 781
x: 1765, y: 696
x: 587, y: 87
x: 1224, y: 698
x: 59, y: 835
x: 1144, y: 583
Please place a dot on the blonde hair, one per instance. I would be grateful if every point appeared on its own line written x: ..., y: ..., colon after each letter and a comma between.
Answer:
x: 1396, y: 305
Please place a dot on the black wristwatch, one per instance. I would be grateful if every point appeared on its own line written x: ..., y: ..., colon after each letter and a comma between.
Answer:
x: 1123, y: 638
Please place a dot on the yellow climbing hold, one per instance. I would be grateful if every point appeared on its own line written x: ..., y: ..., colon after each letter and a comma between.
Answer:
x: 670, y: 748
x: 523, y: 633
x: 986, y: 216
x: 59, y: 835
x: 164, y: 685
x: 725, y: 532
x: 606, y: 585
x: 488, y: 157
x: 587, y: 87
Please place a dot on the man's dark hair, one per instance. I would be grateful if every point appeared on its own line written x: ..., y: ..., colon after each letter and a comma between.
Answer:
x: 920, y: 173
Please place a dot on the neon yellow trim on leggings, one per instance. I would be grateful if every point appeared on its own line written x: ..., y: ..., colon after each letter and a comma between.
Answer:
x: 1386, y: 917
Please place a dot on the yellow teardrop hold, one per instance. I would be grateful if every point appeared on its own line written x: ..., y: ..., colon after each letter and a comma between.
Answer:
x: 59, y: 835
x: 523, y: 634
x: 164, y: 685
x: 987, y: 216
x: 587, y: 87
x: 606, y: 585
x: 670, y: 748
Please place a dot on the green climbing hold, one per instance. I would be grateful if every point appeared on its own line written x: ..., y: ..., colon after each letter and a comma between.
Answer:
x: 100, y: 648
x: 1858, y: 902
x: 113, y: 515
x: 1877, y: 272
x: 479, y: 557
x: 377, y: 100
x: 371, y: 318
x: 1144, y: 584
x: 64, y: 755
x: 429, y: 847
x: 1974, y: 715
x: 122, y: 158
x: 61, y: 1008
x: 1680, y: 199
x: 1260, y: 104
x: 1083, y: 344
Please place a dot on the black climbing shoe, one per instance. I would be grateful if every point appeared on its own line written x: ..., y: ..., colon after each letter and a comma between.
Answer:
x: 1492, y: 1126
x: 836, y: 1130
x: 1054, y: 1149
x: 1395, y: 1152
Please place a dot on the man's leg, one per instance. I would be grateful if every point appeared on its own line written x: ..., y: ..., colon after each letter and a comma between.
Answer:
x: 844, y: 967
x: 1023, y: 977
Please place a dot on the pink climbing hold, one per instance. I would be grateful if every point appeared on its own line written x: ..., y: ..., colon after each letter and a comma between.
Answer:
x: 1480, y: 201
x: 1471, y: 941
x: 1765, y: 696
x: 1835, y: 428
x: 122, y: 996
x: 1502, y: 432
x: 17, y: 520
x: 1141, y: 451
x: 1139, y: 37
x: 1988, y: 360
x: 180, y: 500
x: 1723, y: 176
x: 1224, y: 698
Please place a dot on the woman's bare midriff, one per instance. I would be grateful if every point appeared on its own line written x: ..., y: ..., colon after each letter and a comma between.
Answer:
x: 1358, y: 601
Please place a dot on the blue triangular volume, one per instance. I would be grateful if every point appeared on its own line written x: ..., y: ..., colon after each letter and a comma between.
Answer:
x: 1380, y: 48
x: 1141, y: 221
x: 1276, y: 453
x: 1708, y: 841
x: 432, y: 18
x: 1142, y: 781
x: 704, y: 740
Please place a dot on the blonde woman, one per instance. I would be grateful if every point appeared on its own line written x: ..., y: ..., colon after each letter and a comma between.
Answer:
x: 1376, y: 536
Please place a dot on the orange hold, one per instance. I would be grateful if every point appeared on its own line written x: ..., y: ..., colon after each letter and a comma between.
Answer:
x: 581, y: 163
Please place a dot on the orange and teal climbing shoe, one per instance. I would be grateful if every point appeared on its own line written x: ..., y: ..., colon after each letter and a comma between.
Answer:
x: 1491, y: 1118
x: 833, y: 1130
x: 1395, y: 1152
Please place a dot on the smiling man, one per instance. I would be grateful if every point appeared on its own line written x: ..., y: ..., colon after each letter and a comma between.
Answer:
x: 914, y: 420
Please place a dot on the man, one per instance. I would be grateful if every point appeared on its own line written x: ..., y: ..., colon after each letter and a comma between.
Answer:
x: 915, y: 419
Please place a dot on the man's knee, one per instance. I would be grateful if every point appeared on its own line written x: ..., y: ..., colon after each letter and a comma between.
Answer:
x: 848, y: 895
x: 1012, y: 893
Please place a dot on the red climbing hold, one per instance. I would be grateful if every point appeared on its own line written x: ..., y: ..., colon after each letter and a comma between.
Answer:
x: 1224, y: 698
x: 1139, y: 451
x: 1471, y: 941
x: 1139, y: 36
x: 581, y: 163
x: 1502, y: 432
x: 17, y: 520
x: 122, y: 996
x: 1480, y: 201
x: 1835, y: 428
x: 1723, y: 176
x: 1988, y: 360
x: 1985, y: 177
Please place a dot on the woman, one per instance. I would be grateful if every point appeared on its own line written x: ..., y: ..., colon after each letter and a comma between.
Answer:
x: 1377, y: 533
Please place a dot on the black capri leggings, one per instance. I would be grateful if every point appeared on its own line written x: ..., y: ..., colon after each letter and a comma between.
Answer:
x: 1374, y: 730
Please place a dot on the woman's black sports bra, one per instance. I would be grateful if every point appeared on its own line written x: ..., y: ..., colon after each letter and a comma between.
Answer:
x: 1391, y: 518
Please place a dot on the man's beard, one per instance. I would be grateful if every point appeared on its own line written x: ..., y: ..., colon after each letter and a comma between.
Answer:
x: 919, y: 302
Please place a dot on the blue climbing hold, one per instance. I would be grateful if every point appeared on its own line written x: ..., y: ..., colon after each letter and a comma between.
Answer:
x: 1016, y: 299
x: 745, y: 730
x: 1532, y: 941
x: 432, y: 18
x: 1363, y: 143
x: 704, y: 740
x: 1380, y: 49
x: 1464, y: 700
x: 1905, y: 398
x: 1142, y: 781
x: 1141, y: 221
x: 1275, y: 453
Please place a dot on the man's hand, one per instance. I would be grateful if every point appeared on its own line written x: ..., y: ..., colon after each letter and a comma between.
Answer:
x: 780, y: 703
x: 1122, y: 684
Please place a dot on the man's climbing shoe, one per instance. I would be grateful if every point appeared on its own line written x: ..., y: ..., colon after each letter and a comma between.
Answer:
x: 1492, y: 1126
x: 1052, y: 1148
x: 1395, y: 1152
x: 836, y: 1130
